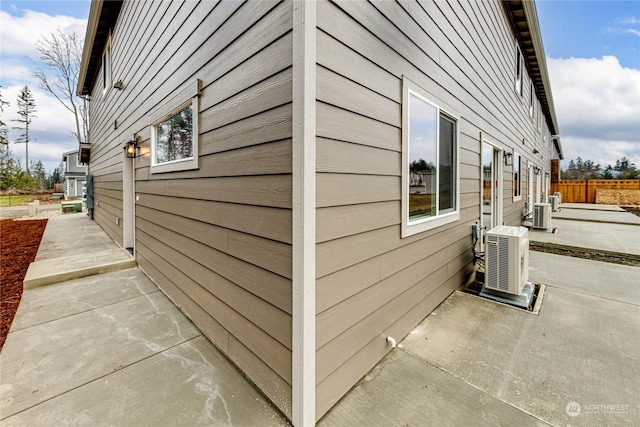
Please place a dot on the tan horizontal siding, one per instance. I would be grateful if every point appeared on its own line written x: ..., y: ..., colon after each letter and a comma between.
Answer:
x: 368, y: 277
x: 342, y: 379
x: 347, y: 189
x: 270, y: 223
x: 216, y: 239
x: 269, y: 191
x: 260, y: 282
x: 261, y: 313
x: 273, y: 353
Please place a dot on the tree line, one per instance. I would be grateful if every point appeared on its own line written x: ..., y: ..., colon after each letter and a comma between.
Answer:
x: 34, y: 176
x: 587, y: 169
x: 60, y: 56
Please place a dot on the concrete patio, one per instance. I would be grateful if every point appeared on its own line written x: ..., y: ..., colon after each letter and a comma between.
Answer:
x: 110, y: 349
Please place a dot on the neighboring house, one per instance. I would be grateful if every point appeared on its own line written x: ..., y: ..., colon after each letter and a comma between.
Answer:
x: 270, y: 196
x: 74, y: 174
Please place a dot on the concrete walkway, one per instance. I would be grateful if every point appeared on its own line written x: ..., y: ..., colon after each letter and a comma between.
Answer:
x: 111, y: 349
x: 595, y: 227
x: 597, y: 213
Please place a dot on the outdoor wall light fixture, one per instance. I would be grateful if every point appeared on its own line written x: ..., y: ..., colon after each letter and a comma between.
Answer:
x: 508, y: 159
x: 535, y: 151
x: 131, y: 149
x: 536, y: 170
x: 118, y: 85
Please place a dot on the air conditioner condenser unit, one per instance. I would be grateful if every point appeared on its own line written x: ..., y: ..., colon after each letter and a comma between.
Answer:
x: 542, y: 215
x: 507, y: 259
x: 559, y: 196
x: 555, y: 203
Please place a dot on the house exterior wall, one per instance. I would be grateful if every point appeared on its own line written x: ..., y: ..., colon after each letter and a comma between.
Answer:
x: 219, y: 239
x: 74, y: 173
x: 216, y: 240
x: 371, y: 282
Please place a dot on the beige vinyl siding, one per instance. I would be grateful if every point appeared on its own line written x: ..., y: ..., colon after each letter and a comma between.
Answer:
x: 370, y: 282
x: 217, y: 240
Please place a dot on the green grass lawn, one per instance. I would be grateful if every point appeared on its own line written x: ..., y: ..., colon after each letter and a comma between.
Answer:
x: 20, y: 200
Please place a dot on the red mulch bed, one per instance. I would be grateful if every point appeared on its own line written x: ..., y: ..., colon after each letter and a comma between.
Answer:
x: 20, y: 241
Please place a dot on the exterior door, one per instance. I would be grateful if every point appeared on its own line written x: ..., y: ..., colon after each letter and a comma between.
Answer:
x: 491, y: 186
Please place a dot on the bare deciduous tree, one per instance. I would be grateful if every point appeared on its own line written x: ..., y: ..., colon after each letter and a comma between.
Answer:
x: 61, y: 54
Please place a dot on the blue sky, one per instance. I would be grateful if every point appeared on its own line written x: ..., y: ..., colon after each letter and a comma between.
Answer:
x: 591, y: 29
x: 592, y: 49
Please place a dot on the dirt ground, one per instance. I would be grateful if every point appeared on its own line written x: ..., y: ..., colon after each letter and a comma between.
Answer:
x: 633, y: 209
x: 20, y: 241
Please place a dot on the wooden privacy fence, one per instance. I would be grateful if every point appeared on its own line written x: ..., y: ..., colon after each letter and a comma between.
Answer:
x: 584, y: 190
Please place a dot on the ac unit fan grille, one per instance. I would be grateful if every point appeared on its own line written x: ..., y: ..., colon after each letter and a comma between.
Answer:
x: 537, y: 217
x: 498, y: 257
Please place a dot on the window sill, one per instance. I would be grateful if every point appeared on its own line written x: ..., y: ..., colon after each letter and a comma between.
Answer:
x: 409, y: 229
x: 175, y: 166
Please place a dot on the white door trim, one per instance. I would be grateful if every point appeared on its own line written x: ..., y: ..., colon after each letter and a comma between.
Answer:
x: 128, y: 203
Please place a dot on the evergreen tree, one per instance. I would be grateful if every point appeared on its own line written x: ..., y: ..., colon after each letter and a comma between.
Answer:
x: 3, y: 126
x: 56, y: 176
x: 26, y: 110
x: 39, y: 175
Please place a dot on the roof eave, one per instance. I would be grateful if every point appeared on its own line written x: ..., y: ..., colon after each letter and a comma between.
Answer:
x: 102, y: 17
x: 534, y: 27
x: 89, y: 40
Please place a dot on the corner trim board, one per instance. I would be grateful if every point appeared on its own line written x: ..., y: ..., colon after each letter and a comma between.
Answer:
x: 304, y: 213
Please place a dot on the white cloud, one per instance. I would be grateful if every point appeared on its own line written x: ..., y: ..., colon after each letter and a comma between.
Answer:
x: 631, y: 20
x: 51, y: 129
x: 597, y: 104
x: 19, y: 34
x: 632, y: 31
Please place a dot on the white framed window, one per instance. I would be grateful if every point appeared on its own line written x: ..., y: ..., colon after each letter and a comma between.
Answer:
x: 106, y: 66
x: 174, y: 132
x: 531, y: 101
x: 430, y: 162
x: 519, y: 72
x: 539, y: 117
x: 517, y: 177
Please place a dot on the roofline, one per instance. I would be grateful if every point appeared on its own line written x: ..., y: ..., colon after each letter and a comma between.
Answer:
x: 531, y: 14
x: 558, y: 144
x: 523, y: 17
x: 102, y: 17
x: 89, y: 39
x: 66, y: 153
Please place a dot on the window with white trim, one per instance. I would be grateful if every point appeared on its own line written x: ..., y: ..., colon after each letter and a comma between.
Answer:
x: 519, y: 72
x: 531, y: 101
x: 106, y: 66
x: 430, y: 163
x: 517, y: 177
x: 174, y: 133
x: 539, y: 121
